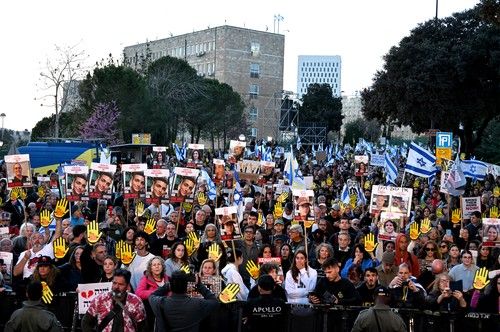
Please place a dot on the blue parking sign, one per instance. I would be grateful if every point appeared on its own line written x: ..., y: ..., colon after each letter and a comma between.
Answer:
x: 444, y: 140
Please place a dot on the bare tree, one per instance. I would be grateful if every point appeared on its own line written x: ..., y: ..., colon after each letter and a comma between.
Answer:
x: 59, y: 79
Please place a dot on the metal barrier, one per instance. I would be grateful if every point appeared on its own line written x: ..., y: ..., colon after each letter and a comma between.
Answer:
x: 301, y: 317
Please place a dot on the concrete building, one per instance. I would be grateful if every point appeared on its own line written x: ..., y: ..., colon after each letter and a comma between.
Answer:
x: 250, y: 61
x: 319, y: 69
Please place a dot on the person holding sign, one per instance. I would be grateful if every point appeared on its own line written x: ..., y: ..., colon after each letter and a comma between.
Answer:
x: 118, y: 310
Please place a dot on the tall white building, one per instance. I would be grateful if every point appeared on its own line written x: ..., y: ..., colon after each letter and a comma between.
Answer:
x: 319, y: 69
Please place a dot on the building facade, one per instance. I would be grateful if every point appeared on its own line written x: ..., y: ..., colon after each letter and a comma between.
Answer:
x: 319, y: 69
x: 250, y: 61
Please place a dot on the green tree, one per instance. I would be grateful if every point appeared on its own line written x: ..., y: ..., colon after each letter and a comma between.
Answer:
x: 361, y: 128
x: 444, y: 75
x: 319, y: 105
x: 122, y: 85
x: 490, y: 145
x: 46, y: 127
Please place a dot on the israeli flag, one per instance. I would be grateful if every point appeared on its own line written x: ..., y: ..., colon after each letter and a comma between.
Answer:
x: 344, y: 196
x: 238, y: 193
x: 267, y: 156
x: 474, y: 169
x: 420, y: 162
x: 178, y: 152
x: 361, y: 196
x: 299, y: 144
x: 184, y: 150
x: 391, y: 171
x: 212, y: 190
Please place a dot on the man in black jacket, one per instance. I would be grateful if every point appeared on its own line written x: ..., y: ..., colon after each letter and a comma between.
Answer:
x: 179, y: 312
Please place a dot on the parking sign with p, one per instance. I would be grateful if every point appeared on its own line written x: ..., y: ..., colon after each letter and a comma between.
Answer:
x: 444, y: 140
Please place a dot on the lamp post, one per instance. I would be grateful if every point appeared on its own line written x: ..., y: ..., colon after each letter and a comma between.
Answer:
x: 3, y: 117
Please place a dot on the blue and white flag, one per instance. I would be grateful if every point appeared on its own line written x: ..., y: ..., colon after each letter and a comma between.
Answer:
x: 267, y: 156
x: 391, y: 171
x: 455, y: 182
x: 293, y: 173
x: 344, y: 196
x: 420, y: 162
x: 474, y: 169
x: 212, y: 190
x: 299, y: 144
x: 178, y: 152
x: 361, y: 196
x: 184, y: 150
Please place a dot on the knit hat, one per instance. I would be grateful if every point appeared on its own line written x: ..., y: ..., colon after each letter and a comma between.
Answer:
x: 388, y: 257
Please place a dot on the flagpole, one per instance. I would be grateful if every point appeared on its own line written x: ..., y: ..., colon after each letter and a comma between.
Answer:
x: 403, y: 180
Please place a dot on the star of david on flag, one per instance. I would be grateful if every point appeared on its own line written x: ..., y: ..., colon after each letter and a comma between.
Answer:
x: 474, y: 169
x: 420, y: 162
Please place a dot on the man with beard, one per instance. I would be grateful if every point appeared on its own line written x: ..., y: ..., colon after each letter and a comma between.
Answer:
x: 367, y: 288
x: 139, y: 264
x: 26, y: 263
x: 118, y: 310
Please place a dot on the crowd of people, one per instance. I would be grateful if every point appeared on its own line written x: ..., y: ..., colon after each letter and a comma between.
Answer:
x: 179, y: 264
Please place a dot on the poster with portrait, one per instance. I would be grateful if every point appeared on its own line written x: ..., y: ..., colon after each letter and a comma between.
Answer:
x: 133, y: 180
x: 195, y: 155
x: 389, y: 225
x: 236, y: 150
x: 18, y: 170
x: 469, y: 205
x: 248, y: 170
x: 157, y: 185
x: 219, y: 171
x: 267, y: 170
x: 228, y: 223
x: 491, y: 231
x: 303, y: 201
x: 183, y: 184
x: 159, y: 157
x: 391, y: 199
x: 213, y: 283
x: 101, y: 180
x: 76, y: 182
x: 361, y: 165
x: 7, y: 260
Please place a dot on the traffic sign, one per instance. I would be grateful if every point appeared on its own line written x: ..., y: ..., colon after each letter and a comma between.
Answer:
x: 444, y: 140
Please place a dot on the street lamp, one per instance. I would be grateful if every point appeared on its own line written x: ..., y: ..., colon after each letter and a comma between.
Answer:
x: 242, y: 137
x: 3, y: 117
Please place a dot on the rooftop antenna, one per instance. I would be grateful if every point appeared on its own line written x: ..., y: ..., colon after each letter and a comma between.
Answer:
x: 277, y: 18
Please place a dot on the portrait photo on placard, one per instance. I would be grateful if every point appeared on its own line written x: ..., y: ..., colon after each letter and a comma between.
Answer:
x: 18, y: 170
x: 388, y: 226
x: 361, y: 165
x: 491, y: 231
x: 304, y: 202
x: 184, y: 183
x: 156, y: 185
x: 101, y: 180
x: 236, y: 150
x: 159, y: 156
x: 134, y: 180
x: 76, y: 182
x: 219, y: 171
x: 227, y: 220
x: 248, y: 170
x: 195, y: 153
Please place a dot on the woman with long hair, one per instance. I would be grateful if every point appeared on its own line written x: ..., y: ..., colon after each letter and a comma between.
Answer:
x: 428, y: 253
x: 485, y: 257
x: 286, y: 257
x: 178, y: 258
x: 323, y: 252
x: 210, y: 235
x: 442, y: 298
x: 109, y: 266
x: 360, y: 257
x: 300, y: 279
x: 71, y: 272
x: 45, y: 270
x: 154, y: 277
x: 453, y: 257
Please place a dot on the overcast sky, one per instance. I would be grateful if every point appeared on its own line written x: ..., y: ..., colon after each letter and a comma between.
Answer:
x: 360, y: 31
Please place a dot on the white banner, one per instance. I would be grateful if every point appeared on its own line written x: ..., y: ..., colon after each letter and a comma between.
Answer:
x: 391, y: 199
x: 377, y: 160
x: 87, y: 292
x: 469, y: 205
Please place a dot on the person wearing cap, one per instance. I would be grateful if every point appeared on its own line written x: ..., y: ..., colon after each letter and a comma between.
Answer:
x: 333, y: 218
x: 279, y: 227
x: 33, y: 316
x: 139, y: 264
x: 380, y: 317
x: 296, y: 235
x: 304, y: 208
x: 46, y: 271
x: 333, y: 289
x: 266, y: 312
x: 387, y: 270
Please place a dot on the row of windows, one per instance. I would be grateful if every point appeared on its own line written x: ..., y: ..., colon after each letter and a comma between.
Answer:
x: 320, y: 75
x: 253, y: 113
x: 196, y: 49
x: 303, y: 69
x: 207, y: 69
x: 320, y: 64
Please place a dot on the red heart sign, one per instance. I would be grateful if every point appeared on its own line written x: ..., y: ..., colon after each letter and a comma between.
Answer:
x: 87, y: 295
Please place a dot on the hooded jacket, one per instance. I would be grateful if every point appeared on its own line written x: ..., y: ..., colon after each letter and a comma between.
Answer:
x: 406, y: 257
x: 33, y: 317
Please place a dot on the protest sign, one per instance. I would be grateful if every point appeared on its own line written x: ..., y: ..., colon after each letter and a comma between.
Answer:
x: 87, y: 292
x: 183, y: 185
x: 391, y: 199
x: 491, y: 229
x: 159, y: 156
x: 133, y: 180
x: 377, y: 160
x: 18, y: 170
x: 157, y: 185
x: 76, y: 182
x: 469, y: 205
x: 227, y: 220
x: 101, y: 180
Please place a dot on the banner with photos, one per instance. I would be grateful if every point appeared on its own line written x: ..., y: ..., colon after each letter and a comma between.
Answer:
x: 213, y: 283
x: 389, y: 225
x: 303, y: 202
x: 361, y: 165
x: 248, y: 170
x: 219, y: 171
x: 236, y: 151
x: 18, y: 170
x: 391, y: 199
x: 195, y: 155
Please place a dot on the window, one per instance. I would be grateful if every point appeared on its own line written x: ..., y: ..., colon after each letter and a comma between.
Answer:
x: 254, y: 91
x: 253, y: 112
x: 253, y: 132
x: 255, y: 48
x: 254, y: 70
